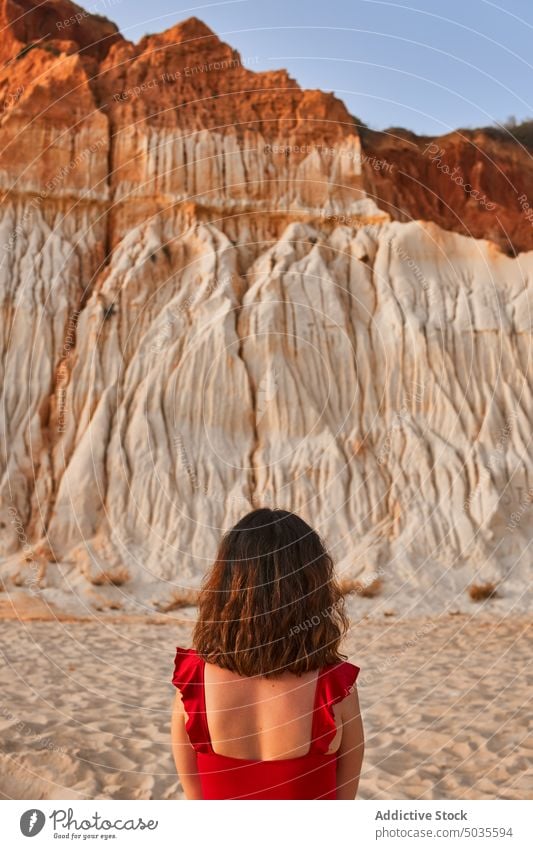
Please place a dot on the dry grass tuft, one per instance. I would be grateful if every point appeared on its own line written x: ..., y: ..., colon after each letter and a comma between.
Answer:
x: 179, y: 598
x: 116, y: 577
x: 482, y: 592
x: 371, y: 590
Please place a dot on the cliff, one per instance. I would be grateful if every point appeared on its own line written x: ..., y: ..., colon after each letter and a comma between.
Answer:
x: 474, y: 182
x: 217, y: 293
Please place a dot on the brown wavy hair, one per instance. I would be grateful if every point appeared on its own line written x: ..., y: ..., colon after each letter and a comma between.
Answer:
x: 271, y: 603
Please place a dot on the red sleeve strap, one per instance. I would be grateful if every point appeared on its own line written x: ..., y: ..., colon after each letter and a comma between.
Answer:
x: 189, y: 679
x: 334, y: 684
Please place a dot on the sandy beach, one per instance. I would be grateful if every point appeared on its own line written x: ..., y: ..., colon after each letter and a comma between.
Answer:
x: 84, y: 711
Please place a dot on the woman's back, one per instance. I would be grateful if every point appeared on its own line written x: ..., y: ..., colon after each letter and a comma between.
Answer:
x: 259, y: 718
x: 268, y: 706
x: 258, y: 737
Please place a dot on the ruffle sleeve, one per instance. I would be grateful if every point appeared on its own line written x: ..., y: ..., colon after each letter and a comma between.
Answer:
x: 334, y: 685
x: 189, y: 679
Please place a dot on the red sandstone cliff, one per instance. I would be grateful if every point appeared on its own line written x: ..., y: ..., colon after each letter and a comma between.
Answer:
x: 73, y: 72
x: 468, y: 181
x: 207, y: 303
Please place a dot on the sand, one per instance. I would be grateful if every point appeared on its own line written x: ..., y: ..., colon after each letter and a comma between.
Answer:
x: 84, y: 711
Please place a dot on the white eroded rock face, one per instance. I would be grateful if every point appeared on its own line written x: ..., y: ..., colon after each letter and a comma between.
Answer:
x: 375, y: 378
x: 204, y: 310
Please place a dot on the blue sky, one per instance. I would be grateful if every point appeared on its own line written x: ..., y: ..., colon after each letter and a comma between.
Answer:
x: 423, y: 64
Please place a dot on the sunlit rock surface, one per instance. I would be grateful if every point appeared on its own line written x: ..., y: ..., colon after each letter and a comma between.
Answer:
x: 207, y: 306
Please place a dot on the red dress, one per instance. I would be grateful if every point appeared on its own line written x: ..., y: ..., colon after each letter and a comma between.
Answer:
x: 311, y: 776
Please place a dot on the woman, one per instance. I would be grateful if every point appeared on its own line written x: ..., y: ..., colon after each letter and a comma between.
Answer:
x: 266, y: 708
